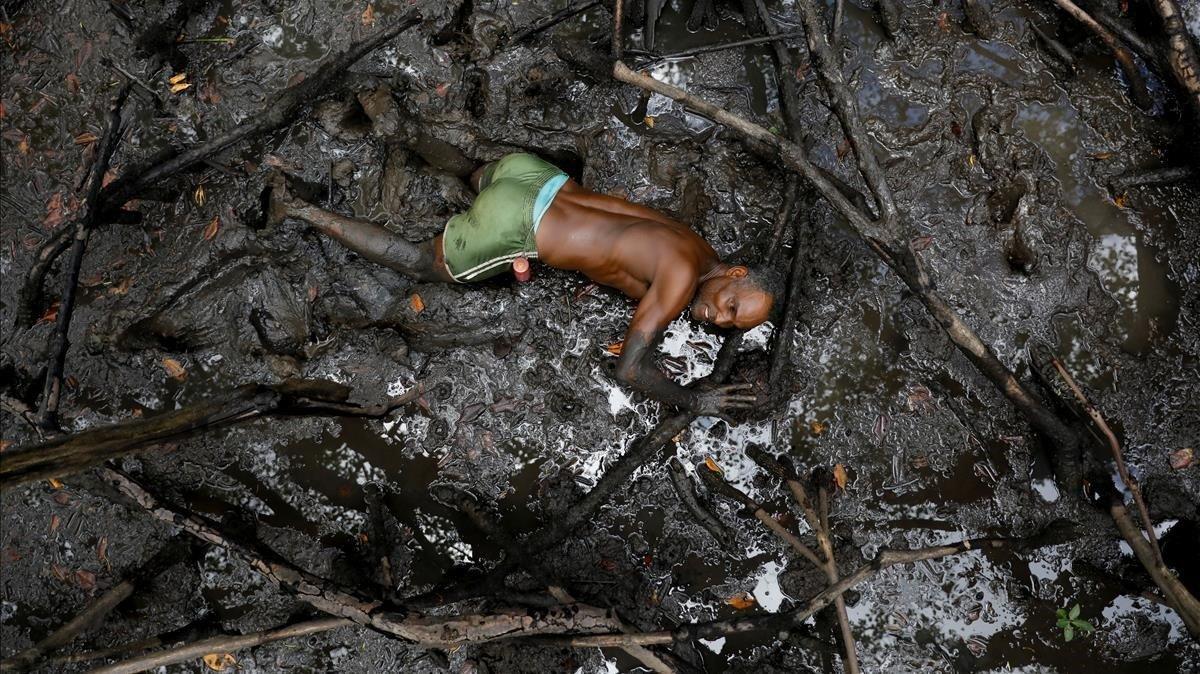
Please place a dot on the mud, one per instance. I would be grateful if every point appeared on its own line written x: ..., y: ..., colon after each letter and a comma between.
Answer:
x: 998, y: 158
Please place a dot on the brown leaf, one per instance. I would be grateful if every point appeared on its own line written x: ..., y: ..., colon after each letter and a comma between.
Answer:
x: 417, y: 304
x: 55, y: 483
x: 209, y: 93
x: 86, y: 580
x: 649, y: 120
x: 921, y: 243
x: 177, y: 78
x: 62, y: 498
x: 1101, y: 156
x: 817, y: 428
x: 50, y: 316
x: 839, y: 476
x: 86, y: 138
x: 843, y: 149
x: 943, y: 22
x: 312, y: 293
x: 1182, y: 458
x: 199, y: 195
x: 3, y: 110
x: 60, y: 572
x: 368, y: 15
x: 174, y: 368
x: 615, y: 348
x: 956, y: 128
x: 712, y: 465
x: 23, y: 146
x: 121, y: 287
x: 55, y: 522
x: 181, y: 87
x: 72, y: 81
x: 742, y: 601
x: 55, y: 213
x: 1120, y: 200
x: 608, y: 565
x: 210, y: 232
x: 5, y: 444
x: 102, y: 549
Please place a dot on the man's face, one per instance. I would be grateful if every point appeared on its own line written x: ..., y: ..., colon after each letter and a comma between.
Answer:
x: 731, y: 301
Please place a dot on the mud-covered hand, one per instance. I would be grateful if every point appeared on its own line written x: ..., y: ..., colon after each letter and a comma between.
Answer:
x: 720, y: 401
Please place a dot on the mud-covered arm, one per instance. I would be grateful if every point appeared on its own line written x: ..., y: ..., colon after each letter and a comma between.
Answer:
x: 665, y: 300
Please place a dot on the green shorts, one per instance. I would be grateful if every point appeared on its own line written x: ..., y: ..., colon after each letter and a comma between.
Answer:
x: 514, y: 193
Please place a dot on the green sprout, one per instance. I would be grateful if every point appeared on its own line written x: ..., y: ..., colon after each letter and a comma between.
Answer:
x: 1070, y: 621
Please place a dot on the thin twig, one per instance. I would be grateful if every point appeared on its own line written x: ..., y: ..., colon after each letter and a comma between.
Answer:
x: 1114, y: 447
x: 1133, y: 76
x: 552, y: 20
x: 221, y: 644
x: 683, y: 487
x: 715, y: 482
x: 722, y: 46
x: 52, y: 388
x: 618, y: 31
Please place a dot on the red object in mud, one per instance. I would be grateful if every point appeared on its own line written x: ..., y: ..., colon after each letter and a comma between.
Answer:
x: 521, y: 269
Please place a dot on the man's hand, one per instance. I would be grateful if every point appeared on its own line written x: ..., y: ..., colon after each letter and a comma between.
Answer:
x: 720, y: 401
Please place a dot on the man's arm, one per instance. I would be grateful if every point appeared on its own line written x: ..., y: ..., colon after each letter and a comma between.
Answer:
x: 666, y: 299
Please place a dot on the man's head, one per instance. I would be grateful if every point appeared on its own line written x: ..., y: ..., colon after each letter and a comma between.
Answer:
x: 737, y: 296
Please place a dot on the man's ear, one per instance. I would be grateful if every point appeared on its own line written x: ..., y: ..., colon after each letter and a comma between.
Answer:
x: 737, y: 271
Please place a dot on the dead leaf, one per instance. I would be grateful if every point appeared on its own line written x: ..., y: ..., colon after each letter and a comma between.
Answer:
x: 944, y: 21
x: 608, y: 565
x: 615, y: 348
x: 102, y: 549
x: 921, y: 243
x: 182, y: 86
x: 363, y: 538
x: 55, y: 212
x: 742, y: 601
x: 210, y: 232
x: 649, y: 120
x: 199, y: 195
x: 62, y: 498
x: 50, y: 316
x: 86, y: 580
x: 86, y: 138
x: 55, y: 483
x: 1101, y: 156
x: 971, y: 161
x: 209, y: 93
x: 55, y: 521
x: 60, y: 572
x: 817, y: 428
x: 23, y: 146
x: 3, y: 110
x: 121, y: 287
x: 177, y: 78
x: 417, y: 304
x: 72, y: 81
x: 174, y: 368
x: 956, y: 128
x: 5, y: 444
x: 839, y: 476
x: 1120, y: 200
x: 712, y: 465
x: 1182, y: 458
x: 368, y: 15
x: 843, y: 149
x: 442, y: 89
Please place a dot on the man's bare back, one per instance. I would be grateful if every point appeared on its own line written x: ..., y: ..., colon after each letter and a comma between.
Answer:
x: 641, y: 252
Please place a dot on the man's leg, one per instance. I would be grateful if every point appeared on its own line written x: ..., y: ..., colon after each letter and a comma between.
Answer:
x: 422, y: 261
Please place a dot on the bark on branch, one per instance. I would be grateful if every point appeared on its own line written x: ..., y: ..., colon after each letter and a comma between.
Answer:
x: 68, y: 454
x: 1181, y: 52
x: 341, y: 602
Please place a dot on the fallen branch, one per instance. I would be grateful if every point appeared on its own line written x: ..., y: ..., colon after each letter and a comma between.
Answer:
x: 341, y: 602
x: 1177, y: 595
x: 577, y: 7
x: 52, y: 389
x: 1114, y: 448
x: 789, y: 620
x: 1181, y: 52
x: 618, y: 32
x: 191, y: 632
x: 221, y: 644
x: 67, y: 454
x: 818, y: 521
x: 1133, y: 76
x: 721, y: 46
x: 687, y: 496
x: 95, y: 611
x: 1161, y: 176
x: 280, y: 111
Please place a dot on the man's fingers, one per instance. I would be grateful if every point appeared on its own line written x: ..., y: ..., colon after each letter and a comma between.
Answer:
x: 736, y: 388
x: 740, y: 399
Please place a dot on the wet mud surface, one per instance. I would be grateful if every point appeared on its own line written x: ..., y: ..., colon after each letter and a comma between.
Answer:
x: 999, y: 159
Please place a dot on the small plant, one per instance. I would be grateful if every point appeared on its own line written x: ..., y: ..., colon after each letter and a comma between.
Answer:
x: 1070, y: 622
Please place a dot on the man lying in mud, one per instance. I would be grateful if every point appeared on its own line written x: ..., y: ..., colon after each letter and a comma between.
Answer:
x: 527, y: 208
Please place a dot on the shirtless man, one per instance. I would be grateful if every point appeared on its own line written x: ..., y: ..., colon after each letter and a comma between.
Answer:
x: 527, y: 208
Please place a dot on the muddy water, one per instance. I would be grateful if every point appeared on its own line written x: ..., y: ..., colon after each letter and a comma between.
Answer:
x: 932, y: 452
